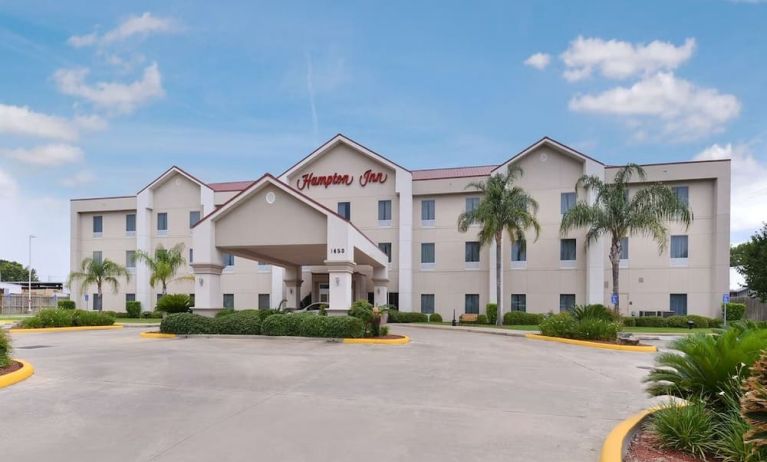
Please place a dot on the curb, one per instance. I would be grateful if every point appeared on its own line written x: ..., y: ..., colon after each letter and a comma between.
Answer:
x: 378, y: 341
x: 24, y: 373
x: 603, y: 346
x: 619, y: 437
x: 156, y: 335
x: 63, y: 329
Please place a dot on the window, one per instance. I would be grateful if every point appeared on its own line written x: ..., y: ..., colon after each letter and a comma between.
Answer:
x: 427, y: 212
x: 567, y: 249
x: 385, y: 248
x: 98, y: 225
x: 229, y: 300
x: 263, y: 266
x: 345, y: 210
x: 427, y: 303
x: 472, y: 203
x: 384, y: 213
x: 97, y: 256
x: 191, y: 300
x: 518, y: 302
x: 228, y: 259
x: 130, y: 298
x: 130, y: 224
x: 625, y: 248
x: 471, y: 304
x: 678, y: 304
x: 264, y: 302
x: 519, y: 250
x: 393, y: 299
x: 682, y: 193
x: 191, y: 255
x: 97, y: 302
x: 194, y: 217
x: 679, y: 248
x: 566, y: 302
x: 162, y: 223
x: 130, y: 259
x: 566, y: 202
x: 427, y: 253
x: 472, y: 252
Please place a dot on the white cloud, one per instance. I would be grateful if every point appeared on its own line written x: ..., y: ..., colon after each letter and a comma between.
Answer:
x: 20, y: 120
x: 92, y: 123
x: 133, y: 26
x: 538, y: 61
x: 47, y: 155
x: 112, y: 96
x: 8, y: 186
x: 78, y: 179
x: 748, y: 184
x: 616, y: 59
x: 683, y: 110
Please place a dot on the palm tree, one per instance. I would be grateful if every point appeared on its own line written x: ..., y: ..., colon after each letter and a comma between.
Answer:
x: 164, y: 264
x: 616, y: 214
x: 98, y: 272
x: 503, y: 207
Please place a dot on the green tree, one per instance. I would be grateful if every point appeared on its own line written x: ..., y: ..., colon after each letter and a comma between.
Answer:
x: 98, y: 273
x: 617, y: 214
x: 15, y: 271
x: 504, y: 206
x: 164, y: 265
x: 751, y: 262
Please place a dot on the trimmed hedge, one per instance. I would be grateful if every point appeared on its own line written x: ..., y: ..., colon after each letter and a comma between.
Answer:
x: 564, y: 325
x: 187, y: 323
x: 52, y: 317
x: 405, y: 317
x: 435, y: 317
x: 492, y: 312
x: 671, y: 321
x: 5, y: 349
x: 66, y: 304
x: 133, y: 309
x: 152, y: 314
x: 521, y: 318
x: 246, y: 322
x: 331, y: 327
x: 288, y: 324
x: 735, y: 311
x: 225, y: 312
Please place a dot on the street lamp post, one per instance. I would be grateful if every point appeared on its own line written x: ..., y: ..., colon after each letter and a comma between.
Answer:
x: 29, y: 276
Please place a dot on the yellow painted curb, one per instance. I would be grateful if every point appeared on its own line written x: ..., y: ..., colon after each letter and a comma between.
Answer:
x: 604, y: 346
x: 612, y: 449
x: 157, y: 335
x: 24, y: 373
x: 63, y: 329
x: 379, y: 341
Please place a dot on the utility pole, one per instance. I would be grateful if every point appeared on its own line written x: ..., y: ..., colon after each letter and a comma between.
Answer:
x: 29, y: 276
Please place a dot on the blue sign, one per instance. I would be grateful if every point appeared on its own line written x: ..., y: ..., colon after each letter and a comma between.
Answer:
x: 614, y: 299
x: 85, y: 297
x: 726, y: 298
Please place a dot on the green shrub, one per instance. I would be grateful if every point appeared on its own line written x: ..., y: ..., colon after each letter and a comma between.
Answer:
x: 735, y: 311
x: 225, y: 312
x: 559, y: 325
x: 521, y: 318
x: 651, y: 321
x: 596, y: 311
x: 699, y: 321
x: 753, y: 408
x: 133, y: 308
x: 51, y: 317
x: 596, y: 329
x: 689, y: 428
x: 331, y: 327
x: 405, y: 317
x: 268, y: 312
x: 5, y: 349
x: 435, y: 317
x: 152, y: 314
x: 492, y: 312
x: 174, y: 303
x: 630, y: 321
x: 246, y: 322
x: 482, y: 319
x: 66, y: 304
x: 288, y: 324
x: 91, y: 318
x: 384, y: 331
x: 676, y: 321
x: 187, y: 323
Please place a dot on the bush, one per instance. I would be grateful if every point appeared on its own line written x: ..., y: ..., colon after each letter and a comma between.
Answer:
x: 492, y: 312
x: 435, y: 317
x: 174, y: 303
x: 331, y: 327
x: 689, y: 428
x: 405, y: 317
x: 559, y: 325
x: 581, y: 312
x: 187, y: 323
x: 152, y: 314
x: 66, y: 304
x: 246, y: 322
x: 673, y: 321
x: 651, y: 321
x: 482, y: 319
x: 630, y: 321
x: 699, y: 321
x: 226, y: 312
x: 288, y: 324
x: 753, y: 407
x: 133, y: 309
x: 521, y: 318
x: 596, y: 329
x: 91, y: 318
x: 735, y: 311
x: 5, y: 349
x: 51, y: 317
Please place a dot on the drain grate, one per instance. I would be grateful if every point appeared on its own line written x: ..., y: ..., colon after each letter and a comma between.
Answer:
x: 32, y: 347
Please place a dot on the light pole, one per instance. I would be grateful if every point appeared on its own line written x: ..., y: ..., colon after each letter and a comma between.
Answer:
x: 29, y: 276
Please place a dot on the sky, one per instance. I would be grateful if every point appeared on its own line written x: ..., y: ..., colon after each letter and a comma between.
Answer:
x: 99, y: 98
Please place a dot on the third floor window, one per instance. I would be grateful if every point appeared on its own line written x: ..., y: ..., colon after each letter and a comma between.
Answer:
x: 162, y: 222
x: 345, y: 210
x: 472, y: 252
x: 566, y: 202
x: 130, y: 223
x: 98, y: 225
x: 427, y: 211
x: 194, y: 217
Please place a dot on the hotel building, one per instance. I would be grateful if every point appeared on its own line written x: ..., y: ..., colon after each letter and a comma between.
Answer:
x: 346, y: 223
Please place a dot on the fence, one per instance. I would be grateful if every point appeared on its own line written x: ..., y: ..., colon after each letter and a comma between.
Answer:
x: 19, y: 303
x: 755, y: 310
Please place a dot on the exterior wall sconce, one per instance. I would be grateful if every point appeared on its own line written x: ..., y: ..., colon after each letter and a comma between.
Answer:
x: 338, y: 281
x: 201, y: 282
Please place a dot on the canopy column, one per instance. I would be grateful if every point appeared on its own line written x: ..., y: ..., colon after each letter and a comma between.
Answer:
x: 293, y: 287
x: 381, y: 286
x: 340, y: 282
x: 208, y: 298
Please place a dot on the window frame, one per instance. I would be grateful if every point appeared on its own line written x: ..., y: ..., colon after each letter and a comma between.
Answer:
x: 128, y: 231
x: 574, y: 302
x: 567, y: 201
x: 162, y: 218
x: 433, y: 303
x: 516, y: 306
x: 471, y: 263
x: 432, y: 263
x: 347, y: 213
x: 385, y: 212
x: 382, y: 246
x: 428, y: 214
x: 567, y: 262
x: 100, y: 220
x: 230, y: 299
x: 677, y: 189
x: 466, y: 299
x: 193, y: 222
x: 671, y: 303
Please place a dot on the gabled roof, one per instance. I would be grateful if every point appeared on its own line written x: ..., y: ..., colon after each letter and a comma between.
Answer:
x: 230, y: 185
x: 546, y: 141
x: 341, y: 139
x: 170, y: 172
x: 452, y: 172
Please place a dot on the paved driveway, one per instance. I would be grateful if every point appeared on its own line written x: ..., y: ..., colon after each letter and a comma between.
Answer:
x: 447, y: 396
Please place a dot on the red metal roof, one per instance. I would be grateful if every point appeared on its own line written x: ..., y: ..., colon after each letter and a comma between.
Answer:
x: 456, y: 172
x: 230, y: 185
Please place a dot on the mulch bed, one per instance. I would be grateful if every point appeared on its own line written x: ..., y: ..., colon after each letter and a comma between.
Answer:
x: 644, y: 448
x: 13, y: 367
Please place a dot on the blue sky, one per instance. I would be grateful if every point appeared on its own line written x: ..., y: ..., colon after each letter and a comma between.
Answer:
x: 98, y: 99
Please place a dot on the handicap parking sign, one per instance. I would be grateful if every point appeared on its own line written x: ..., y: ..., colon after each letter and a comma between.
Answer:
x: 726, y: 298
x: 614, y: 299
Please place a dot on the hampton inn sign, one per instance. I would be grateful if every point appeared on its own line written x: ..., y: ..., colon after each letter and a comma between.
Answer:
x: 310, y: 179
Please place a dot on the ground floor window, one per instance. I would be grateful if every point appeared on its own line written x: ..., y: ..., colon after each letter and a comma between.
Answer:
x: 471, y: 303
x: 518, y: 302
x: 427, y: 303
x: 566, y: 302
x: 130, y: 298
x: 191, y: 300
x: 97, y: 302
x: 264, y: 302
x: 393, y: 299
x: 678, y: 304
x: 371, y: 298
x: 228, y: 300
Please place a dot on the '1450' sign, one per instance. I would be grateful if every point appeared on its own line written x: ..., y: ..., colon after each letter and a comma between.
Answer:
x: 308, y: 180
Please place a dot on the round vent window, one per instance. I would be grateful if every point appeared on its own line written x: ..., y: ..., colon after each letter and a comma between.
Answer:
x: 544, y: 157
x: 270, y: 197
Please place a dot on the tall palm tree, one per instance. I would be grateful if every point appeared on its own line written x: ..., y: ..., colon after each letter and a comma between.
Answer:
x: 616, y: 214
x: 98, y: 272
x: 503, y: 207
x: 164, y: 264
